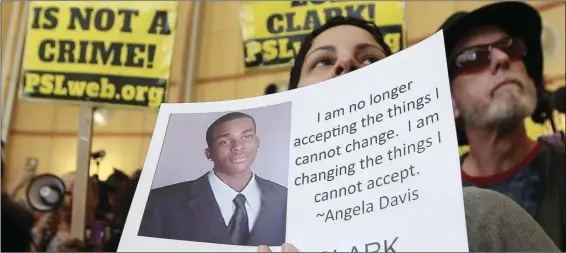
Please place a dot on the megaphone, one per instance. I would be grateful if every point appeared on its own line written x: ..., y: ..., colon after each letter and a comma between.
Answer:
x: 45, y: 193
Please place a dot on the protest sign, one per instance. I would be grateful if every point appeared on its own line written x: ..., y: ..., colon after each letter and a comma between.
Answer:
x: 102, y: 52
x: 361, y: 156
x: 273, y: 31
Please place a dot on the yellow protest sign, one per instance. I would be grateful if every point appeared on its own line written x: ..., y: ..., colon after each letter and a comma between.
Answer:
x: 273, y: 31
x: 116, y: 52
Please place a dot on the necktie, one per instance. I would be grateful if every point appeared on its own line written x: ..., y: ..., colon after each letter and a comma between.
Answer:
x: 238, y: 226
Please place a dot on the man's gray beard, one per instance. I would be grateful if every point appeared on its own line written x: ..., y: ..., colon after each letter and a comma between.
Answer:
x: 504, y: 113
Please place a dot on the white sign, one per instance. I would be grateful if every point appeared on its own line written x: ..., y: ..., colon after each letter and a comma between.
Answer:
x: 364, y: 162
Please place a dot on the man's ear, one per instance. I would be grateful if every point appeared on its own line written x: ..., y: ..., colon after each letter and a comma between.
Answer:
x: 207, y: 154
x: 455, y: 108
x: 257, y: 141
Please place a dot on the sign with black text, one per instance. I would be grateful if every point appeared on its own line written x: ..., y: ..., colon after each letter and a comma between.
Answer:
x: 99, y: 52
x: 346, y: 165
x: 273, y: 31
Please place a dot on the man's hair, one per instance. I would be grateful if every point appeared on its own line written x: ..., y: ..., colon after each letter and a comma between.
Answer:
x: 225, y: 118
x: 370, y: 27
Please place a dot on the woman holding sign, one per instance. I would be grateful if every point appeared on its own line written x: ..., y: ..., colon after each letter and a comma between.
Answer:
x: 342, y: 45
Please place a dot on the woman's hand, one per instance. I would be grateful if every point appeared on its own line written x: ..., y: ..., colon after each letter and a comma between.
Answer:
x: 286, y: 247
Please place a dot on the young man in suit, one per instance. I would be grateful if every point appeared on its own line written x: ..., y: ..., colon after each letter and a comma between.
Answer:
x: 228, y: 205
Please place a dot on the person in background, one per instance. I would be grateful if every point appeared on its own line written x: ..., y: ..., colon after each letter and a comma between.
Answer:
x: 63, y: 241
x: 109, y: 190
x: 495, y: 64
x: 116, y: 183
x: 17, y: 222
x: 342, y: 45
x: 124, y: 201
x: 24, y: 177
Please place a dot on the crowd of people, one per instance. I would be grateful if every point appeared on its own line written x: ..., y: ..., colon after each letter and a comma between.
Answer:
x: 24, y: 228
x: 514, y: 187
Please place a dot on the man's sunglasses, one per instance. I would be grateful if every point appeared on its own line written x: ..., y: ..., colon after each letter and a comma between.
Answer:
x: 480, y: 56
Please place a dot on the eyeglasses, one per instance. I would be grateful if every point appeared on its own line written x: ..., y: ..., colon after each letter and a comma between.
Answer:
x: 480, y: 56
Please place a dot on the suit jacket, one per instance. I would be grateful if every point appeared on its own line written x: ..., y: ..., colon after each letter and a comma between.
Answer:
x: 188, y: 211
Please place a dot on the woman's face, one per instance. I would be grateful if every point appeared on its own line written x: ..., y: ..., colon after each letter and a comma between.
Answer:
x: 337, y: 51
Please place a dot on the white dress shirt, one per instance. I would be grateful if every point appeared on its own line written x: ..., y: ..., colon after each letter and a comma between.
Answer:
x: 225, y: 195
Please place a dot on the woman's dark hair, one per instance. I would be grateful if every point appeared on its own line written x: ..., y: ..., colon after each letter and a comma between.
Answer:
x: 370, y: 27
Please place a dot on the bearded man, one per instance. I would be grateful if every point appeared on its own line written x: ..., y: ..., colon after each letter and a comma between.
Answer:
x: 496, y: 73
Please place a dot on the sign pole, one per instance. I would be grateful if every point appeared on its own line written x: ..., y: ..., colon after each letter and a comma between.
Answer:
x: 7, y: 57
x: 8, y: 106
x: 193, y: 51
x: 80, y: 188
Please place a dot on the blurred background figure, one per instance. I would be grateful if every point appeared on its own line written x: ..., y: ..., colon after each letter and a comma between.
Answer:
x: 109, y: 191
x: 17, y: 222
x: 57, y: 224
x: 52, y: 232
x: 124, y: 201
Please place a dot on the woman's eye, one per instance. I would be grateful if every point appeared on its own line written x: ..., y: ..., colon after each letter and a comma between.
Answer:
x: 322, y: 63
